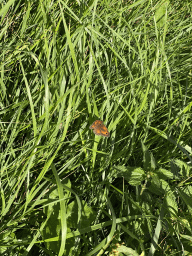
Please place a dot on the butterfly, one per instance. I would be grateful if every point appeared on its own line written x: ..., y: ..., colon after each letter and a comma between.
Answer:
x: 99, y: 128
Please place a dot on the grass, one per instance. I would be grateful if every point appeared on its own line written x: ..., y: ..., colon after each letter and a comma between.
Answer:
x: 65, y: 64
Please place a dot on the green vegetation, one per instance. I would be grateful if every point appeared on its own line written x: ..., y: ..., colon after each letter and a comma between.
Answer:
x: 64, y: 190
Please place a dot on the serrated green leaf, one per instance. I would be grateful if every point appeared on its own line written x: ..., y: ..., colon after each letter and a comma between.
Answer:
x: 134, y: 175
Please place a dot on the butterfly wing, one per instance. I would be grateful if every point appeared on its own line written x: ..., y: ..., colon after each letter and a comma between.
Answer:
x: 99, y: 128
x: 96, y: 124
x: 104, y: 132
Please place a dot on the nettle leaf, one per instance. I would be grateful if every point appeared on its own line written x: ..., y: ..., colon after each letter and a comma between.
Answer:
x: 185, y: 169
x: 87, y: 215
x: 148, y: 159
x: 186, y: 195
x: 161, y: 12
x: 134, y: 175
x: 53, y: 226
x: 158, y: 186
x: 175, y: 169
x: 171, y: 203
x: 164, y: 174
x: 126, y: 251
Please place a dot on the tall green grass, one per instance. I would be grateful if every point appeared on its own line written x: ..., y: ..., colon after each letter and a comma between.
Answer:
x: 65, y: 64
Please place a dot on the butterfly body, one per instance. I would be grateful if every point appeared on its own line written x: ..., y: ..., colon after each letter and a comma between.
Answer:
x: 99, y: 128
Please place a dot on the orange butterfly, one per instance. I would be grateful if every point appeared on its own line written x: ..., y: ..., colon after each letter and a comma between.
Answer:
x: 99, y: 128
